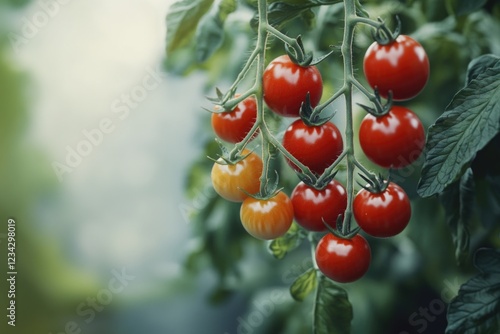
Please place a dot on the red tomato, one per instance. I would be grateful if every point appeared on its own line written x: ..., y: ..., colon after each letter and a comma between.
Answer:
x: 311, y: 206
x: 317, y: 147
x: 343, y: 260
x: 233, y: 126
x: 382, y: 214
x: 228, y: 180
x: 267, y: 219
x: 401, y: 67
x: 394, y: 140
x: 286, y: 85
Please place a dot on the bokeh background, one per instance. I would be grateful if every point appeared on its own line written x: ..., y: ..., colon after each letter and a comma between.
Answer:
x: 61, y: 75
x: 135, y: 213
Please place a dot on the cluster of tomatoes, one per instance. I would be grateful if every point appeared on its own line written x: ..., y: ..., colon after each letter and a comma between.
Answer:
x: 393, y: 138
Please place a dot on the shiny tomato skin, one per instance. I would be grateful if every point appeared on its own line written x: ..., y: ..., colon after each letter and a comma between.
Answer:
x: 384, y: 214
x: 286, y: 85
x: 312, y: 206
x: 401, y: 67
x: 343, y: 260
x: 394, y: 140
x: 229, y: 180
x: 317, y: 147
x: 234, y: 125
x: 267, y: 219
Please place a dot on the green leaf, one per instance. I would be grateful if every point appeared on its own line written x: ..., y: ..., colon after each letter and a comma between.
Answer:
x: 304, y: 285
x: 210, y: 31
x: 332, y: 310
x: 292, y: 239
x: 476, y: 309
x: 464, y: 7
x: 182, y: 20
x: 480, y: 65
x: 458, y: 200
x: 471, y: 120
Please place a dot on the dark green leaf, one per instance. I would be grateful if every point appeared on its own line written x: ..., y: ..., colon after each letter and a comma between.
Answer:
x: 480, y: 65
x: 332, y: 310
x: 469, y: 6
x: 476, y: 309
x: 182, y: 20
x: 210, y: 31
x: 458, y: 201
x: 281, y: 246
x: 304, y: 285
x: 469, y: 123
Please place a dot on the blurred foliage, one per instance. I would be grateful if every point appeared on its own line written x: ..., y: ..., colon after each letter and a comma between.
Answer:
x: 47, y: 287
x: 409, y: 272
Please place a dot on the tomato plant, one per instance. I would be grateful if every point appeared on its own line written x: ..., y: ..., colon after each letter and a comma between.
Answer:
x: 383, y: 213
x: 456, y: 184
x: 393, y: 140
x: 267, y: 218
x: 233, y: 181
x: 232, y: 126
x: 286, y: 85
x: 313, y: 208
x: 317, y: 147
x: 343, y: 260
x: 400, y: 67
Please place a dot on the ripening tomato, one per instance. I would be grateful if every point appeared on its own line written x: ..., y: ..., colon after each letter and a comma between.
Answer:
x: 229, y: 180
x: 267, y: 218
x: 317, y: 147
x: 394, y: 140
x: 401, y: 67
x: 233, y: 126
x: 313, y: 208
x: 343, y: 260
x: 383, y: 214
x: 286, y: 85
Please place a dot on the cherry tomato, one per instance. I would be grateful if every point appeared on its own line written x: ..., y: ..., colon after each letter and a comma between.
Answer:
x: 229, y: 180
x: 394, y: 140
x: 286, y: 85
x: 267, y: 219
x: 233, y: 126
x: 317, y: 147
x: 312, y: 206
x: 401, y: 67
x: 382, y: 214
x: 343, y: 260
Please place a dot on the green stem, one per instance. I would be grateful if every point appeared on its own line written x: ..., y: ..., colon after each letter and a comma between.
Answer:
x: 286, y: 39
x: 327, y: 172
x: 346, y: 50
x: 367, y: 21
x: 230, y: 104
x: 325, y: 104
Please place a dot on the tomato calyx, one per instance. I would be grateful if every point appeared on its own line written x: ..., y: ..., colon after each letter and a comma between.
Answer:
x: 376, y: 183
x: 339, y: 232
x: 301, y: 57
x: 268, y: 191
x: 380, y: 109
x: 229, y: 157
x: 310, y: 116
x: 383, y: 35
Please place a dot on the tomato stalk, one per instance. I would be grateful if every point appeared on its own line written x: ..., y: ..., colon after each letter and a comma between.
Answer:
x: 267, y: 138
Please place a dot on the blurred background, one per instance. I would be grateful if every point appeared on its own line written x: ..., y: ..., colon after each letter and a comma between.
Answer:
x: 80, y: 72
x: 103, y: 146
